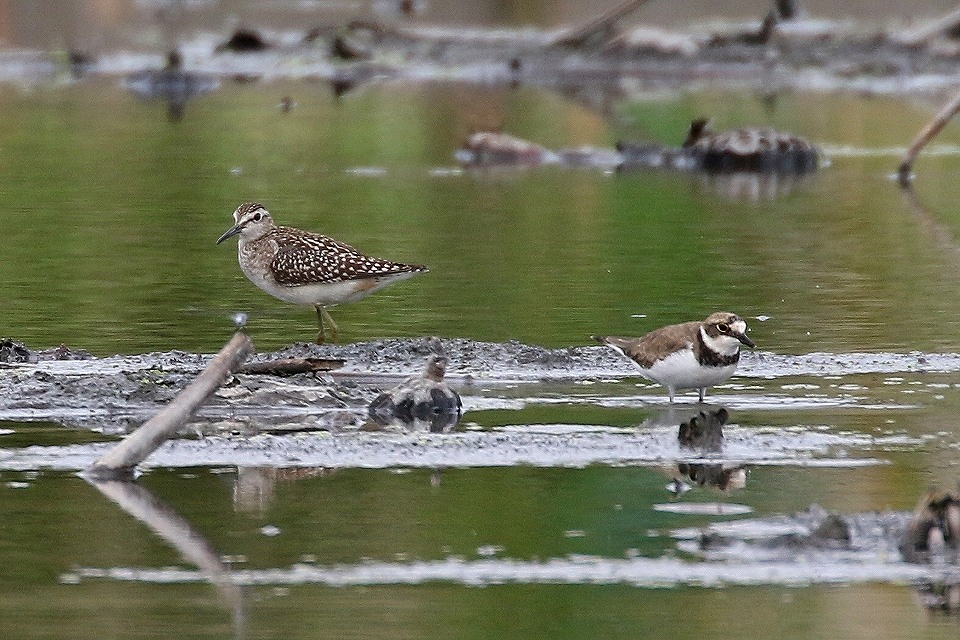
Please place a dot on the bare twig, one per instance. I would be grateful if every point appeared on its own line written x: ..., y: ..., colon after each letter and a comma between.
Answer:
x: 291, y: 366
x: 932, y: 28
x: 928, y: 133
x: 600, y: 28
x: 134, y: 449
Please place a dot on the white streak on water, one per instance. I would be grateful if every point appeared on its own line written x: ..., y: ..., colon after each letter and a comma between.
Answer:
x: 637, y: 572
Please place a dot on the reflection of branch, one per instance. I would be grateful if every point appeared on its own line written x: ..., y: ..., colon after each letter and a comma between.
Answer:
x: 928, y: 133
x: 169, y: 525
x: 943, y: 237
x: 135, y: 448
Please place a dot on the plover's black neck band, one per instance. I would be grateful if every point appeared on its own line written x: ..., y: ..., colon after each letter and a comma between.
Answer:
x: 710, y: 358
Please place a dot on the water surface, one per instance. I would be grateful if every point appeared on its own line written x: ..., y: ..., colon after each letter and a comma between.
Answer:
x: 110, y: 216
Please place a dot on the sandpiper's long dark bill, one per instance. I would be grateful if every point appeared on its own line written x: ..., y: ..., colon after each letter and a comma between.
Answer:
x: 307, y: 268
x: 691, y: 355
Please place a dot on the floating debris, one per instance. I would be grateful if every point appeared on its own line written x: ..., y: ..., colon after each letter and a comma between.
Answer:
x: 737, y: 152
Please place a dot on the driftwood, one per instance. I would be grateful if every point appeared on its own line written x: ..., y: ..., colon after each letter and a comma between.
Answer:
x: 291, y: 366
x: 134, y: 449
x: 945, y: 25
x: 600, y: 29
x: 928, y: 133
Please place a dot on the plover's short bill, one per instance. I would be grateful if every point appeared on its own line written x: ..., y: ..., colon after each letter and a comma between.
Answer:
x: 692, y: 355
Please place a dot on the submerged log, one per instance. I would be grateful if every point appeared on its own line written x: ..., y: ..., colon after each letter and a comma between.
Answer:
x: 118, y: 463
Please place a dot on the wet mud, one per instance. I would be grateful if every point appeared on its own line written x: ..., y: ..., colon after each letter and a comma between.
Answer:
x: 122, y: 390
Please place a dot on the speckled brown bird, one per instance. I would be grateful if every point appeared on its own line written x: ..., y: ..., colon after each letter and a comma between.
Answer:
x: 691, y: 355
x: 308, y: 268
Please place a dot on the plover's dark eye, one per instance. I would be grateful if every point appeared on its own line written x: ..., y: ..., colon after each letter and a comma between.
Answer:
x: 257, y: 217
x: 723, y: 327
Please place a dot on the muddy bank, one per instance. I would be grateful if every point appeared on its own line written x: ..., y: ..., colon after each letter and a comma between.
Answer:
x: 536, y: 445
x: 126, y: 389
x: 769, y: 52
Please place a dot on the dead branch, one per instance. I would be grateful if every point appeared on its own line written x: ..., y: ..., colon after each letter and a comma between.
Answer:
x: 946, y: 24
x: 134, y: 449
x: 291, y: 366
x: 928, y: 133
x: 599, y: 29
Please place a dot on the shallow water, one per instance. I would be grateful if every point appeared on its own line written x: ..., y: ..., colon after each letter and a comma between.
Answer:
x: 110, y: 216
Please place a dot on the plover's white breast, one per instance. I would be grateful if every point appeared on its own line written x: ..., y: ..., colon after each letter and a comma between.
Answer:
x: 681, y: 370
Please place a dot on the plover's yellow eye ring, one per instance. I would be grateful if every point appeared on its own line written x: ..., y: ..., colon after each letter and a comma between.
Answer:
x: 723, y: 327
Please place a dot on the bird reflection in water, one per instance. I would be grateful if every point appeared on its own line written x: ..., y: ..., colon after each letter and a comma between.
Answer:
x: 703, y: 433
x: 254, y: 487
x: 171, y: 84
x: 749, y: 186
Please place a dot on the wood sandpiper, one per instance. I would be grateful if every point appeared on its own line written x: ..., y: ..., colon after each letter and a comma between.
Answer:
x: 308, y: 268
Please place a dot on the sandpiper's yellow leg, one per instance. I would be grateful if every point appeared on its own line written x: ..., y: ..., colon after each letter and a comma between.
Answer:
x: 323, y: 316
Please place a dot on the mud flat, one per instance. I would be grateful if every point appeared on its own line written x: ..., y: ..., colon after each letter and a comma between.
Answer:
x: 118, y: 391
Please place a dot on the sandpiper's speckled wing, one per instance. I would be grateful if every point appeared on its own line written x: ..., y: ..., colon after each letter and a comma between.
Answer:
x: 309, y: 258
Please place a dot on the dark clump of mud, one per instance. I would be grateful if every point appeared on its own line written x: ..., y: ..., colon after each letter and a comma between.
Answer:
x: 61, y: 383
x: 14, y: 351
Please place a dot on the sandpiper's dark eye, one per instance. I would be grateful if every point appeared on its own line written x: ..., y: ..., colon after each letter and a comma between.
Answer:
x: 257, y: 217
x: 723, y: 327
